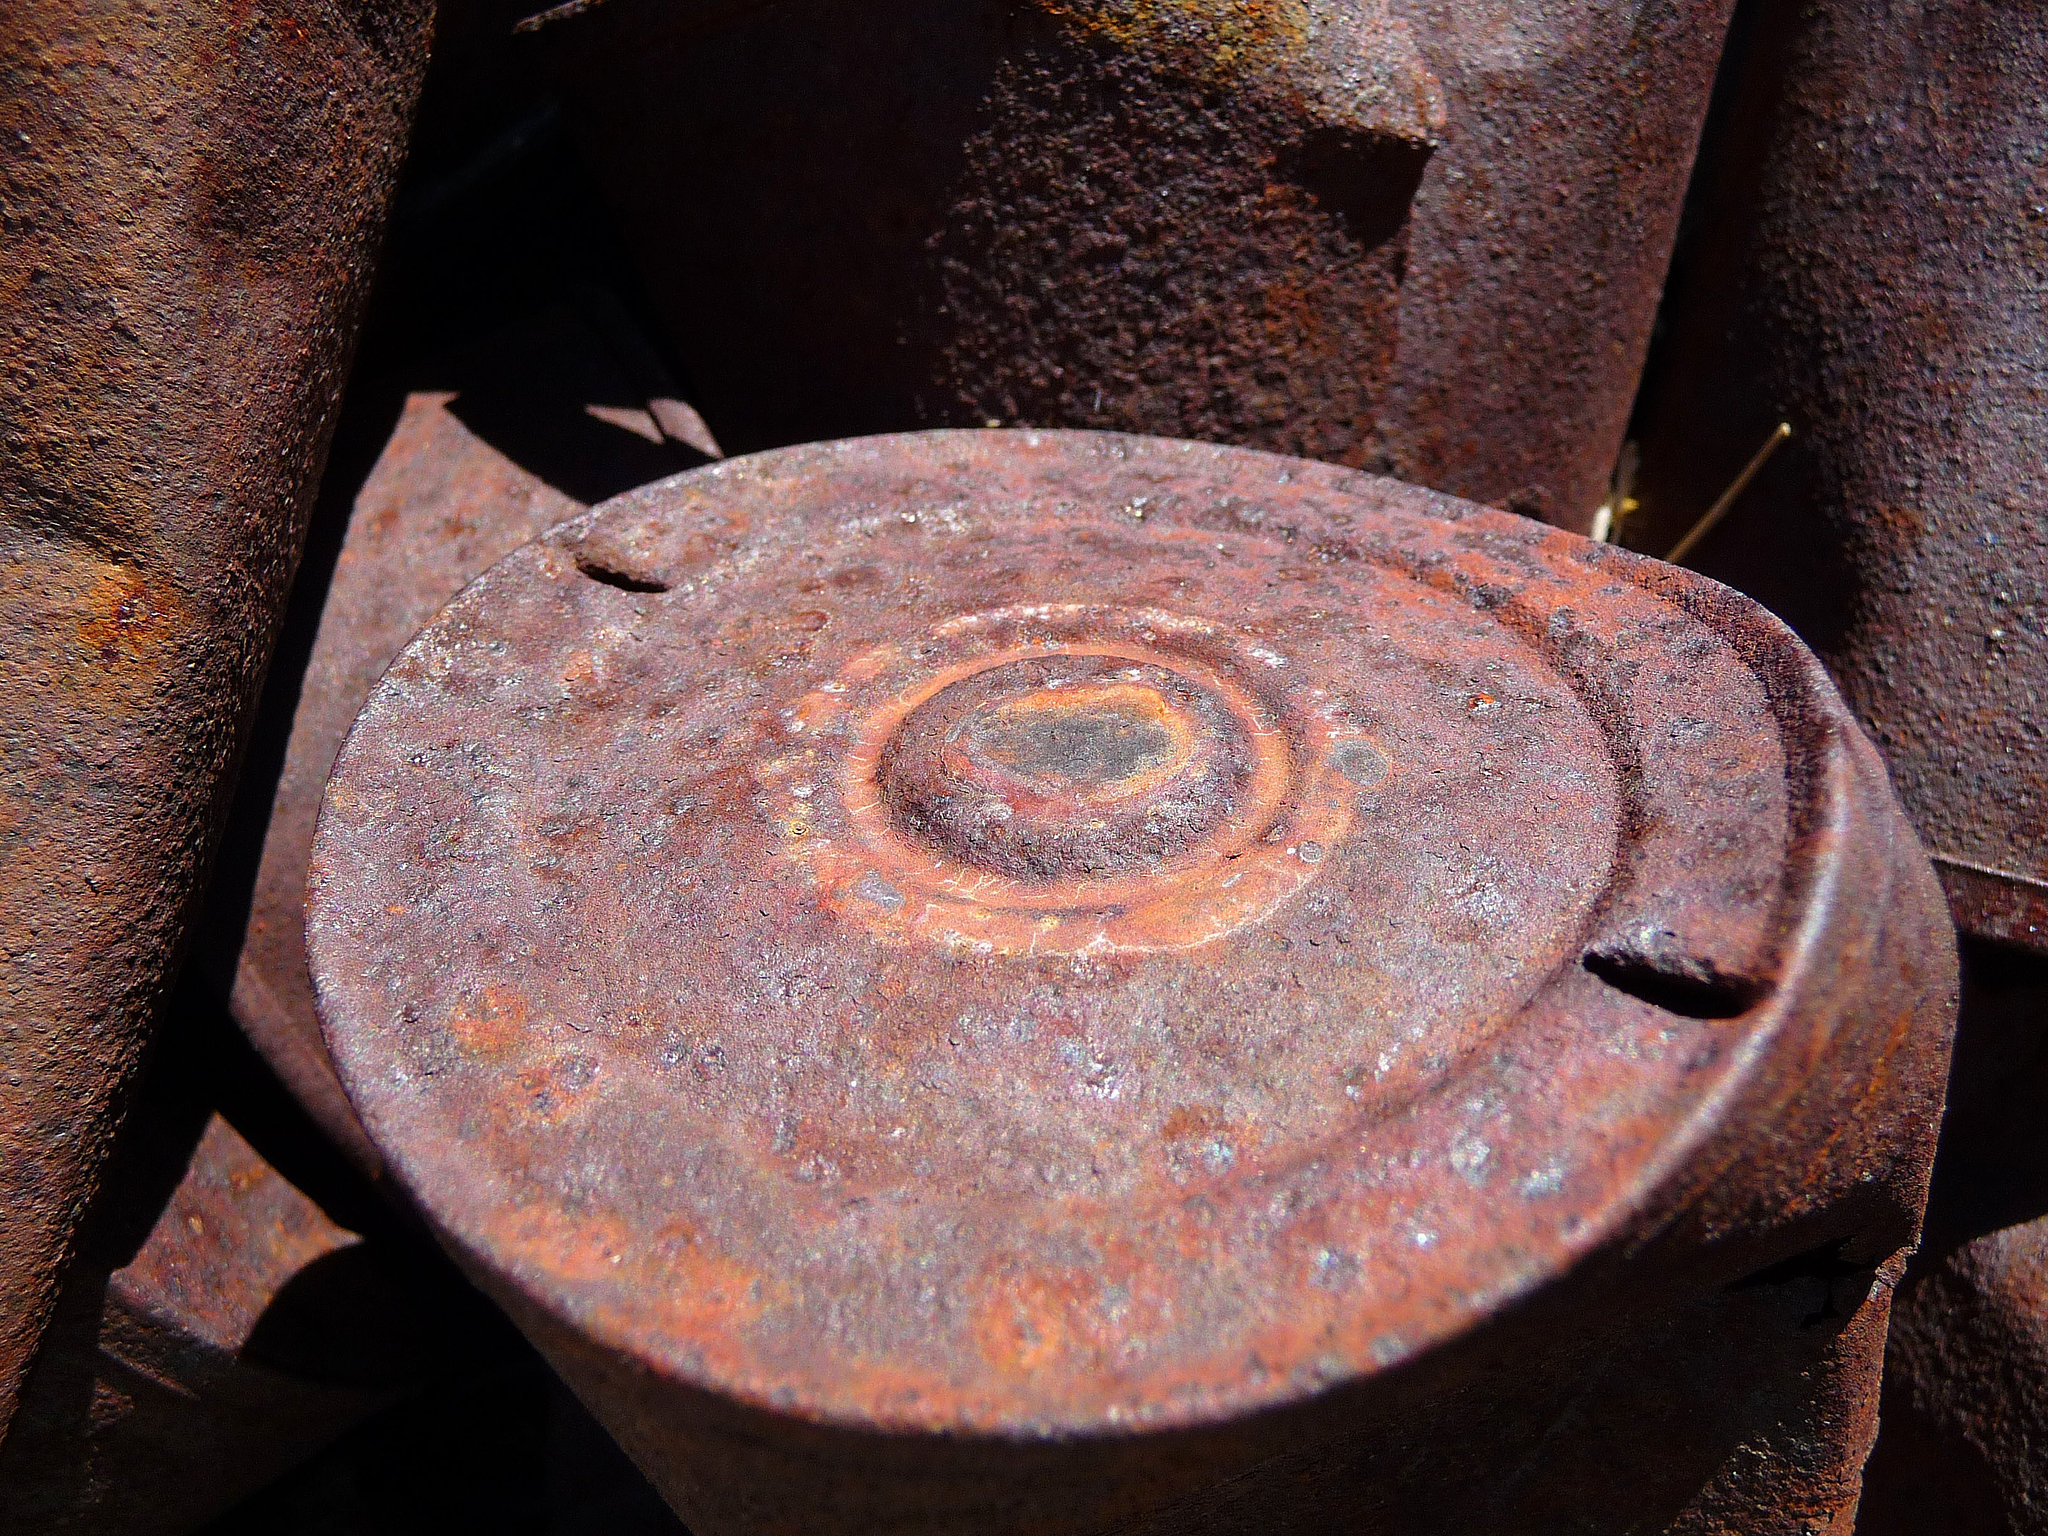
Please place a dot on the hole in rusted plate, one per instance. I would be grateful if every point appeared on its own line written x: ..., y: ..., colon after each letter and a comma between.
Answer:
x: 1677, y: 983
x: 626, y: 581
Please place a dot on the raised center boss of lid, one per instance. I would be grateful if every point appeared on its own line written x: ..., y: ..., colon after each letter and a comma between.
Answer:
x: 1067, y: 767
x: 1063, y: 778
x: 1080, y: 746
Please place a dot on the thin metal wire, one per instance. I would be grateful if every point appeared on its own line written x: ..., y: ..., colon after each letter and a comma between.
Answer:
x: 1719, y: 509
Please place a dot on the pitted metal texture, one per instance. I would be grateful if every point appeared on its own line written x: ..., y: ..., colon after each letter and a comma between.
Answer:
x: 1056, y: 935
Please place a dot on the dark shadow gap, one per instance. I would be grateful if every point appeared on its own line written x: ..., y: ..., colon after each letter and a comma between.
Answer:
x: 610, y: 576
x: 1688, y: 987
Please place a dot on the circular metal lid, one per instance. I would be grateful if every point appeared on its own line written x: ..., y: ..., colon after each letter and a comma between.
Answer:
x: 1045, y: 932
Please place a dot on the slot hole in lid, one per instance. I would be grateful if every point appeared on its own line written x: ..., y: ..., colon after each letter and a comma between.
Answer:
x: 611, y: 576
x: 1676, y: 982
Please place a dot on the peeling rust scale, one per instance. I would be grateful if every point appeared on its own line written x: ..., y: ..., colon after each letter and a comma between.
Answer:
x: 1001, y: 981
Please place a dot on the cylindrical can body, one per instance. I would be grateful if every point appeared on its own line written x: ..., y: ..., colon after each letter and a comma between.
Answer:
x: 1868, y: 268
x: 1966, y: 1374
x: 193, y: 198
x: 1424, y: 238
x: 1061, y: 982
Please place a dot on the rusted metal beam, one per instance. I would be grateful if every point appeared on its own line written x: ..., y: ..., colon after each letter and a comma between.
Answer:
x: 1063, y: 982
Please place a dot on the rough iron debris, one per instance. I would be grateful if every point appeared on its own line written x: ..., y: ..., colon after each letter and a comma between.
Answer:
x: 1006, y: 975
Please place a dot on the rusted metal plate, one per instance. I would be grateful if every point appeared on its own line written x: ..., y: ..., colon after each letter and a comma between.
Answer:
x: 1996, y: 904
x: 1026, y: 975
x: 242, y: 1332
x: 1870, y: 269
x: 193, y: 195
x: 217, y: 1316
x: 1423, y: 237
x: 160, y: 1365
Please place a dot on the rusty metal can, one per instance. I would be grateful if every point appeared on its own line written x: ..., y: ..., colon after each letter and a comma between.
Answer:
x: 192, y: 195
x: 1002, y: 981
x: 1966, y: 1394
x: 1868, y: 268
x: 1423, y: 237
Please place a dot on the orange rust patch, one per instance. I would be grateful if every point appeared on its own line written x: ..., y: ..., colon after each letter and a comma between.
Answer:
x: 1027, y: 1320
x: 1219, y: 37
x: 590, y: 1246
x: 1190, y: 1120
x: 124, y: 617
x: 490, y: 1024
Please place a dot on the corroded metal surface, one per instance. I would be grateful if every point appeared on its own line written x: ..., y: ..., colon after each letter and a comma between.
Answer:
x: 1873, y: 273
x: 219, y: 1322
x: 1966, y: 1395
x: 440, y: 504
x: 1002, y: 981
x: 163, y: 1368
x: 1425, y: 237
x: 192, y: 197
x: 1964, y: 1447
x: 245, y: 1331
